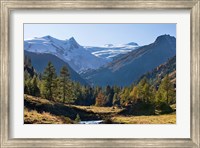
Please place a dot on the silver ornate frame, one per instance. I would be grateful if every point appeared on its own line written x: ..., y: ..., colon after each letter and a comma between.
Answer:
x: 8, y: 5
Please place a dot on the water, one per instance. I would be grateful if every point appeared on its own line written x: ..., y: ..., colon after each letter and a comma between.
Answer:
x: 91, y: 122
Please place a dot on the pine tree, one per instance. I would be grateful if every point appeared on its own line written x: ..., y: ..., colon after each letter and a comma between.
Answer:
x: 147, y: 92
x: 64, y: 80
x: 56, y: 91
x: 134, y: 93
x: 66, y: 86
x: 97, y: 89
x: 109, y: 92
x: 153, y: 94
x: 116, y: 89
x: 100, y: 99
x: 34, y: 87
x: 27, y: 86
x: 116, y: 100
x: 125, y: 96
x: 49, y: 81
x: 144, y: 90
x: 141, y: 88
x: 77, y: 91
x: 166, y: 90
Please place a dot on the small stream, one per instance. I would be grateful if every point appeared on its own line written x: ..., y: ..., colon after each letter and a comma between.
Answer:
x: 91, y: 122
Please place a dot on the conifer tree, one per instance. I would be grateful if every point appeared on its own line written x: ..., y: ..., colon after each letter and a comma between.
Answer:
x: 147, y: 92
x: 134, y: 93
x: 125, y: 96
x: 34, y: 87
x: 100, y: 99
x: 77, y: 90
x: 144, y: 90
x: 166, y: 90
x: 49, y: 81
x: 116, y: 89
x: 109, y: 93
x: 108, y: 90
x: 64, y: 80
x: 115, y: 99
x: 66, y: 86
x: 27, y: 86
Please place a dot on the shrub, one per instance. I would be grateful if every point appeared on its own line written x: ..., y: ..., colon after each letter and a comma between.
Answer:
x: 164, y: 108
x: 140, y: 107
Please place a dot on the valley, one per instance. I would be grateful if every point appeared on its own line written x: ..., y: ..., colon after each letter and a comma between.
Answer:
x: 106, y: 115
x: 67, y: 83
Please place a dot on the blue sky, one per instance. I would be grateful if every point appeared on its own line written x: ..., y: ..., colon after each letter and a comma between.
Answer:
x: 101, y: 34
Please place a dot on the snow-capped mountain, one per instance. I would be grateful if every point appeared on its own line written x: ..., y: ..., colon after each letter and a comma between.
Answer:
x: 127, y: 68
x: 68, y: 50
x: 110, y: 51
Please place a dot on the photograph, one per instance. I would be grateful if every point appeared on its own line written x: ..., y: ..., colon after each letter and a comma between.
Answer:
x: 100, y: 73
x: 114, y: 73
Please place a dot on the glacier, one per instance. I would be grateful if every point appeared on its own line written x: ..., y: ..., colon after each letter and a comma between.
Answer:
x: 80, y: 58
x: 67, y: 50
x: 110, y: 51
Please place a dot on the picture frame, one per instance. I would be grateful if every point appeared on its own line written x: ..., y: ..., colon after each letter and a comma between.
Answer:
x: 8, y: 6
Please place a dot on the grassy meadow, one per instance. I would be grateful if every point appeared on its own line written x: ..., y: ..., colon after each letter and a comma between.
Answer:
x: 42, y: 111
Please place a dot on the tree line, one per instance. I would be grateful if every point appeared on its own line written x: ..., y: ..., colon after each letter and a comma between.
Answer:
x: 61, y: 88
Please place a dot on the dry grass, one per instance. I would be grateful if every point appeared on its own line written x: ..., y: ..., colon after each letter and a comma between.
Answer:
x: 101, y: 110
x: 155, y: 119
x: 33, y: 117
x: 37, y: 99
x: 33, y: 113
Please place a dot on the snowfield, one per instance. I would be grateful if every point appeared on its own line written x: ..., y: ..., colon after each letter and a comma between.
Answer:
x: 67, y: 50
x: 110, y: 51
x: 80, y: 58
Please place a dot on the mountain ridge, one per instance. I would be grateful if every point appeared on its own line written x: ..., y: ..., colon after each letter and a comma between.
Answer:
x: 158, y: 73
x: 127, y: 68
x: 80, y: 58
x: 67, y: 50
x: 40, y: 61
